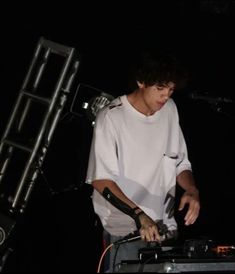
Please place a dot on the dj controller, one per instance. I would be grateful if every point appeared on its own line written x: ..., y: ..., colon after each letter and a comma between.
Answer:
x: 192, y: 256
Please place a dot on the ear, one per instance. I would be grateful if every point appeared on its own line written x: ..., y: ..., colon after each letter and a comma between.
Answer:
x: 140, y: 85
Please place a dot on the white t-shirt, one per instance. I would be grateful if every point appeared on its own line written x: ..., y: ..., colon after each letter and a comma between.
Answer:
x: 143, y: 155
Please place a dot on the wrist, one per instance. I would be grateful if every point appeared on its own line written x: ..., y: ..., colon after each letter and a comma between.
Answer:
x: 193, y: 190
x: 137, y: 210
x: 136, y: 213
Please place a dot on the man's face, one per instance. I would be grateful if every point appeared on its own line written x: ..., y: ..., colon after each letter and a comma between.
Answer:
x: 157, y: 95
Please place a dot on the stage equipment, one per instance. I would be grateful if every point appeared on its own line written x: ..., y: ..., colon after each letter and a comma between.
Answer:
x: 88, y: 101
x: 195, y: 255
x: 30, y: 128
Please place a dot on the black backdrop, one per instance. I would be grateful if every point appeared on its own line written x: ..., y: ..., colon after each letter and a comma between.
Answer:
x: 59, y: 230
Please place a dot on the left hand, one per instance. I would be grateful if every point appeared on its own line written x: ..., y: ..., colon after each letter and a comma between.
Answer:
x: 192, y: 199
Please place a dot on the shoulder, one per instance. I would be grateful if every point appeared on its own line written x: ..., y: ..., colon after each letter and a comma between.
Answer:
x: 171, y: 109
x: 114, y: 106
x: 171, y: 105
x: 116, y: 103
x: 110, y: 110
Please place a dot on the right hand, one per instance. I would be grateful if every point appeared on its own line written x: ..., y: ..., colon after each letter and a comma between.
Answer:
x: 148, y: 231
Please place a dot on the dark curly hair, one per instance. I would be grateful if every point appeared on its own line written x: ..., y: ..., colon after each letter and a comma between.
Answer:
x: 160, y: 68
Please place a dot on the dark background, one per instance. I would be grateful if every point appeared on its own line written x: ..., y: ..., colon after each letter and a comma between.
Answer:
x: 59, y: 230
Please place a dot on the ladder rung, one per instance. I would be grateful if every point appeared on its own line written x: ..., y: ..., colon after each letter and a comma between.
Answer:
x: 37, y: 98
x: 17, y: 145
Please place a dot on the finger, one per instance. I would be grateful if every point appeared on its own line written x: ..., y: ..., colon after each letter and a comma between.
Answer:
x: 182, y: 204
x: 155, y: 234
x: 191, y: 216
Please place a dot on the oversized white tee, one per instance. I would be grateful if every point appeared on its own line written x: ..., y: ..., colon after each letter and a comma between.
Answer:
x: 142, y: 155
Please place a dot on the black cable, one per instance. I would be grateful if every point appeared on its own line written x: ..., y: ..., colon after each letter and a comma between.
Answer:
x: 115, y: 256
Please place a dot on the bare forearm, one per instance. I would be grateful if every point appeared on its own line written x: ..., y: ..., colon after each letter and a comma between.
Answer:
x: 111, y: 192
x: 186, y: 180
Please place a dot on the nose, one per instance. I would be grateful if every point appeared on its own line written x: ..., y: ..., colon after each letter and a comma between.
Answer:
x: 166, y: 94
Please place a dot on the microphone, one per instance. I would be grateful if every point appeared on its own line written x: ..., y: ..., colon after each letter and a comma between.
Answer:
x: 208, y: 98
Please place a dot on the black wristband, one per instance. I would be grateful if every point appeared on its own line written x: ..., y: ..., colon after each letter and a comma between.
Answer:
x: 141, y: 212
x: 137, y: 220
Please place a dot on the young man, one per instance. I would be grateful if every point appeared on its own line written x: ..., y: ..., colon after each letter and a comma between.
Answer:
x: 138, y: 153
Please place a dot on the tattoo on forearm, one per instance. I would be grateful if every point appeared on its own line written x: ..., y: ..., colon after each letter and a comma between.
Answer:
x: 115, y: 201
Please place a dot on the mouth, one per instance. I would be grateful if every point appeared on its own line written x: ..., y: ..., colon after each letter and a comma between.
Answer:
x: 162, y: 103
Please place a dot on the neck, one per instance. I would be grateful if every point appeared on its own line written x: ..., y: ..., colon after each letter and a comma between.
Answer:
x: 136, y: 100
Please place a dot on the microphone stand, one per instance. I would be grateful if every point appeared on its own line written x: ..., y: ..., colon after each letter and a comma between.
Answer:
x: 218, y: 108
x: 214, y: 102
